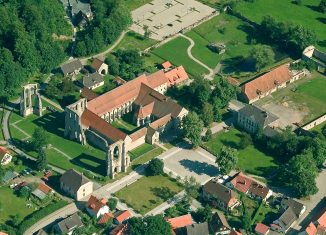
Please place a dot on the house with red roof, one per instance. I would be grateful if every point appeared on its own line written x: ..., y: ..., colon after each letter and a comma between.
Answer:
x: 97, y: 207
x: 234, y: 232
x: 270, y: 82
x: 246, y: 185
x: 181, y: 221
x: 42, y: 191
x: 105, y: 218
x: 122, y: 216
x: 316, y: 228
x: 176, y: 76
x: 120, y: 229
x: 5, y: 156
x: 261, y: 229
x: 166, y: 65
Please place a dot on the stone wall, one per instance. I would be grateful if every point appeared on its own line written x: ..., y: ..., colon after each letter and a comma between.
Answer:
x: 315, y: 122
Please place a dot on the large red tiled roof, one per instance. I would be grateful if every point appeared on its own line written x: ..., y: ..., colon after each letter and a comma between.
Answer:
x: 138, y: 134
x: 322, y: 220
x: 124, y: 93
x: 176, y: 75
x: 241, y: 182
x: 44, y: 188
x: 311, y: 229
x: 95, y: 204
x: 267, y: 81
x: 166, y: 64
x: 91, y: 120
x: 261, y: 228
x: 124, y: 215
x: 181, y: 221
x: 88, y: 94
x: 105, y: 218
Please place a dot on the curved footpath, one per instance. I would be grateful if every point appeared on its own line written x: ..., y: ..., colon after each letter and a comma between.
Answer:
x: 209, y: 76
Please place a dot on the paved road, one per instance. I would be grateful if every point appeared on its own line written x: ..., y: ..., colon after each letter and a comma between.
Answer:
x: 102, y: 54
x: 62, y: 213
x: 210, y: 76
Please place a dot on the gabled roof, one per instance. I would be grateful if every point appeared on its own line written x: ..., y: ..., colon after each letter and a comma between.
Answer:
x: 166, y: 65
x: 218, y: 222
x: 258, y: 115
x: 194, y: 229
x: 73, y: 179
x: 160, y: 122
x: 267, y: 82
x: 91, y: 120
x: 180, y: 221
x: 219, y: 191
x: 322, y: 220
x: 95, y: 204
x: 294, y: 205
x: 311, y: 229
x: 71, y: 67
x: 105, y: 218
x: 138, y: 134
x: 70, y: 223
x: 119, y: 229
x: 261, y: 228
x: 97, y: 63
x: 44, y: 188
x: 92, y: 79
x: 3, y: 152
x: 122, y: 216
x: 288, y: 217
x: 176, y: 75
x: 88, y: 94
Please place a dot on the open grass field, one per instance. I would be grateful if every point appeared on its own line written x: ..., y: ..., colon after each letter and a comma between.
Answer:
x: 307, y: 95
x: 176, y: 52
x: 144, y: 148
x: 152, y: 190
x: 134, y: 4
x: 135, y: 41
x: 12, y: 205
x: 146, y: 157
x: 305, y: 14
x: 81, y: 157
x: 250, y: 159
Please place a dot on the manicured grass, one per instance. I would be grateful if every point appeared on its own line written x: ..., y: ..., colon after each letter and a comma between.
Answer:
x: 125, y: 123
x: 305, y: 14
x: 134, y: 4
x: 12, y: 205
x: 250, y: 159
x: 176, y: 52
x: 148, y: 192
x: 147, y: 157
x: 266, y: 214
x: 140, y: 150
x: 83, y: 157
x: 17, y: 134
x: 136, y: 41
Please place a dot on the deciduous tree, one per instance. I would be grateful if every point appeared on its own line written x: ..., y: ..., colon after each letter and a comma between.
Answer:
x: 227, y: 159
x: 40, y: 138
x: 150, y: 225
x: 155, y: 167
x: 262, y: 56
x: 192, y: 127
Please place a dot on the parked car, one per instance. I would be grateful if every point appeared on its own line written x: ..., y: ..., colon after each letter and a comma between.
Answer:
x: 20, y: 185
x: 13, y: 185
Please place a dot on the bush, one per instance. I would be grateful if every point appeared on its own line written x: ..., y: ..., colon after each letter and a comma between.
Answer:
x: 208, y: 135
x: 155, y: 167
x: 40, y: 214
x: 112, y: 203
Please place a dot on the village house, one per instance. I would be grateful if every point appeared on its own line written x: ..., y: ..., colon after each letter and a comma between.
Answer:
x: 97, y: 207
x: 71, y: 68
x: 180, y: 222
x: 292, y: 210
x: 193, y: 229
x: 317, y: 227
x: 120, y: 229
x: 68, y: 225
x: 261, y: 229
x: 92, y: 81
x: 143, y: 97
x: 99, y: 66
x: 75, y: 184
x: 246, y: 185
x: 219, y: 195
x: 5, y: 156
x: 218, y: 225
x: 270, y: 82
x: 252, y: 118
x: 42, y: 191
x: 122, y: 216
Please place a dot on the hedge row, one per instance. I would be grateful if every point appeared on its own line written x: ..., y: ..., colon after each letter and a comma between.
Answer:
x: 40, y: 214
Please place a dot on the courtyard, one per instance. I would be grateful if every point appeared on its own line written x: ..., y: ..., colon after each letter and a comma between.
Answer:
x: 152, y: 190
x: 186, y: 162
x: 164, y: 18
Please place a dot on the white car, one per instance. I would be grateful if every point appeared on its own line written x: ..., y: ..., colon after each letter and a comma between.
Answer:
x: 13, y: 185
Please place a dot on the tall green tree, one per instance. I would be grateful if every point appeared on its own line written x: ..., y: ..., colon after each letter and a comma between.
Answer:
x: 207, y: 114
x: 262, y: 56
x: 41, y: 162
x: 149, y: 225
x: 191, y: 187
x: 322, y: 6
x: 40, y: 138
x: 192, y: 127
x: 155, y: 167
x: 300, y: 174
x: 227, y: 159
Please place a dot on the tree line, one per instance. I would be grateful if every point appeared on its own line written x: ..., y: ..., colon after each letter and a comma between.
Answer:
x: 27, y: 44
x: 111, y: 18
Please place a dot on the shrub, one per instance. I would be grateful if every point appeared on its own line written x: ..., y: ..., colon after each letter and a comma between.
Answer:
x: 155, y: 167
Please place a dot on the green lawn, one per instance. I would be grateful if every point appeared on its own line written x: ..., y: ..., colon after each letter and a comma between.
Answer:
x: 136, y: 41
x: 319, y: 127
x: 148, y: 192
x: 176, y: 52
x: 134, y: 4
x: 284, y: 10
x: 83, y: 157
x: 266, y: 214
x: 250, y: 159
x: 12, y: 205
x: 141, y: 150
x: 125, y: 124
x: 108, y: 85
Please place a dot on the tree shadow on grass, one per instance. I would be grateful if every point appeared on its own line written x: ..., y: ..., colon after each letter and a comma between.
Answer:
x: 321, y: 19
x: 230, y: 144
x: 200, y: 168
x: 98, y: 167
x: 314, y: 8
